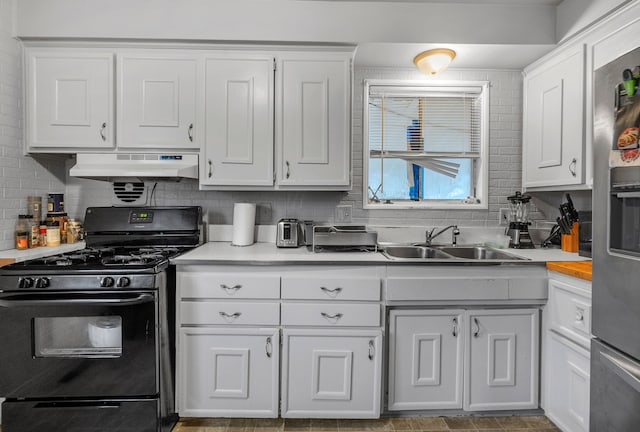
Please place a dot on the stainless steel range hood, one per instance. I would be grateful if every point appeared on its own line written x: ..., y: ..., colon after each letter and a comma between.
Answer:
x: 143, y: 166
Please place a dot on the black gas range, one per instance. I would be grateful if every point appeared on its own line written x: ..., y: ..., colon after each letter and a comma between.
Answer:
x: 91, y: 333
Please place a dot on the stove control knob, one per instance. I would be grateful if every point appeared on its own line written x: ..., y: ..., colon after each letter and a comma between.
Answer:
x: 123, y: 282
x: 107, y: 282
x: 25, y: 282
x: 42, y: 282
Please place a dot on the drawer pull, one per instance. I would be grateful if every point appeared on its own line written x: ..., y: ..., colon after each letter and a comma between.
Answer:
x: 477, y: 330
x: 268, y: 348
x: 329, y: 317
x: 331, y: 292
x: 230, y: 317
x: 372, y: 350
x: 455, y: 327
x: 230, y: 289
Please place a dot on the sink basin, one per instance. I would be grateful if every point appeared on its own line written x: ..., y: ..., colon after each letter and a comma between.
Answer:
x: 415, y: 252
x: 478, y: 253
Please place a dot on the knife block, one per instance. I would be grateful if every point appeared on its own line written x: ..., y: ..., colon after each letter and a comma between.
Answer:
x: 569, y: 242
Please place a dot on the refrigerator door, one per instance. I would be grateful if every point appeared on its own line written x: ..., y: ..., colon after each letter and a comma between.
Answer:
x: 616, y: 297
x: 615, y: 390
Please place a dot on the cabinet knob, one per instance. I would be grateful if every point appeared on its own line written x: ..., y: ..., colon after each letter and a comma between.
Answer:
x: 102, y: 131
x: 372, y: 350
x: 190, y: 132
x: 210, y: 168
x: 455, y: 327
x: 268, y: 349
x: 288, y: 169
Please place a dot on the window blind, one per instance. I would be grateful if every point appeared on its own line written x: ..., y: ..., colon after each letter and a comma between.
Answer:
x: 422, y: 123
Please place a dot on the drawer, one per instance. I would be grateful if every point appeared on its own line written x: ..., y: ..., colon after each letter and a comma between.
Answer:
x: 229, y: 313
x: 423, y: 289
x: 232, y: 285
x: 312, y: 288
x: 569, y: 312
x: 331, y: 314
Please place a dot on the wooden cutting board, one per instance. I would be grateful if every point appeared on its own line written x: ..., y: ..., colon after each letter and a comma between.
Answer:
x: 578, y: 269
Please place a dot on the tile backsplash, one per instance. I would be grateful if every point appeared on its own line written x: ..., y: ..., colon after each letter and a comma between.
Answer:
x: 21, y: 175
x: 504, y: 171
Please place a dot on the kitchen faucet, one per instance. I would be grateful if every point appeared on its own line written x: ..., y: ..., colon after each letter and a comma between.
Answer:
x: 455, y: 232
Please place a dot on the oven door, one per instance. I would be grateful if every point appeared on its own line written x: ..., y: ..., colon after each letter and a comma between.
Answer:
x: 78, y: 344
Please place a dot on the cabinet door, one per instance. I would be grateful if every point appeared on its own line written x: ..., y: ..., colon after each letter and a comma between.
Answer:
x: 239, y: 121
x: 331, y: 373
x: 425, y: 359
x: 313, y: 126
x: 69, y: 100
x: 157, y: 102
x: 554, y: 133
x: 566, y: 383
x: 228, y: 372
x: 501, y: 365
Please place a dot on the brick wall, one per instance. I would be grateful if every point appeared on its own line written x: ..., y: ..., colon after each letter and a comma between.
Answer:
x: 21, y: 175
x: 504, y: 170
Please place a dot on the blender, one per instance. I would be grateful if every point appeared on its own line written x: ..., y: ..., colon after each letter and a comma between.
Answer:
x: 519, y: 222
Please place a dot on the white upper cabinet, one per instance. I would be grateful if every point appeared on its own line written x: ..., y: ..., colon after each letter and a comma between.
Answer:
x: 69, y: 99
x: 157, y: 101
x: 554, y: 118
x: 238, y: 148
x: 313, y: 104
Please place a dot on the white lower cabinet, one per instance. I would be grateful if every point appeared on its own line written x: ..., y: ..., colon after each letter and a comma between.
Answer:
x: 331, y: 373
x: 501, y: 365
x: 231, y: 372
x: 425, y: 359
x: 479, y: 360
x: 567, y: 401
x: 566, y: 357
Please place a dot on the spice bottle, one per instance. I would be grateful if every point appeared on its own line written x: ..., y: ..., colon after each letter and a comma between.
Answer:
x: 42, y: 235
x: 22, y: 232
x: 53, y: 233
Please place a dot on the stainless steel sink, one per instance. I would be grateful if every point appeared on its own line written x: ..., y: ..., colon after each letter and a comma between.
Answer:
x: 415, y: 252
x: 478, y: 253
x: 445, y: 253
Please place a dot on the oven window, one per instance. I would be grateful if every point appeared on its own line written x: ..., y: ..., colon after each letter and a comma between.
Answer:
x: 93, y: 336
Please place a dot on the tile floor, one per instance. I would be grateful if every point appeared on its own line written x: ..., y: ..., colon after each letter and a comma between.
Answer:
x: 404, y: 424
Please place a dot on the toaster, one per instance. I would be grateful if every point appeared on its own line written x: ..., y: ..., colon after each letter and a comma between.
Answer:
x: 290, y: 233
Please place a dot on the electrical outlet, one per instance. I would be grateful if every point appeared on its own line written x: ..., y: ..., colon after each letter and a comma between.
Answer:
x: 503, y: 216
x: 343, y: 213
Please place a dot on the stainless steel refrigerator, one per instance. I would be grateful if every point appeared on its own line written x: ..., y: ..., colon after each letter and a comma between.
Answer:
x: 615, y: 349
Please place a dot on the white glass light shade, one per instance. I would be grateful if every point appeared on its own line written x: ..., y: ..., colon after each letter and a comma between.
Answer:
x: 433, y: 61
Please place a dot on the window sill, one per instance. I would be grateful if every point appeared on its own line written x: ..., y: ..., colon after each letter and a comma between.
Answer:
x: 404, y: 205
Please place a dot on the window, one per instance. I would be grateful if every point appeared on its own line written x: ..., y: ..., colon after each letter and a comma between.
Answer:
x: 425, y: 144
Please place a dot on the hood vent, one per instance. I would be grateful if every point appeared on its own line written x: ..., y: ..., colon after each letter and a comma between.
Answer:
x: 124, y: 167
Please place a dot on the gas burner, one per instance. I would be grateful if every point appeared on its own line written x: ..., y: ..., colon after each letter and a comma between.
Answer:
x: 125, y: 260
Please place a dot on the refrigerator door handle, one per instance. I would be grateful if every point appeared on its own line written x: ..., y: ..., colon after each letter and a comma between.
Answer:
x: 629, y: 373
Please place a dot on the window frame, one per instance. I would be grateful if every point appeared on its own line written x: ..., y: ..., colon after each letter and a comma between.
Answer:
x: 482, y: 184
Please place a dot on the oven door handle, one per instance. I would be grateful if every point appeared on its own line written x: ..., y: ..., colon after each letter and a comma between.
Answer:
x: 10, y: 300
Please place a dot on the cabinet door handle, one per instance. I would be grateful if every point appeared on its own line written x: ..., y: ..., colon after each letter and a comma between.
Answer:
x: 268, y: 348
x: 330, y: 317
x: 210, y: 168
x: 455, y: 327
x: 372, y: 350
x: 477, y: 330
x: 288, y: 169
x: 331, y: 292
x: 232, y: 316
x: 230, y: 289
x: 102, y: 130
x: 190, y: 132
x: 572, y: 166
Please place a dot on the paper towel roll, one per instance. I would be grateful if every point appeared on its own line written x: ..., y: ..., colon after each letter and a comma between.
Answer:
x: 244, y: 219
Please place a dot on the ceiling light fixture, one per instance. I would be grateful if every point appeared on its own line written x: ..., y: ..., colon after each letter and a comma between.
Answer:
x: 434, y: 60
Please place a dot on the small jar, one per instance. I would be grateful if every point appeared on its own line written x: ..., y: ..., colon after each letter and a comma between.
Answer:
x: 42, y: 235
x: 22, y: 240
x: 53, y: 233
x: 22, y: 232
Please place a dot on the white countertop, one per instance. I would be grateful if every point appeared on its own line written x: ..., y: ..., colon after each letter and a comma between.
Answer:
x: 267, y: 253
x: 39, y: 252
